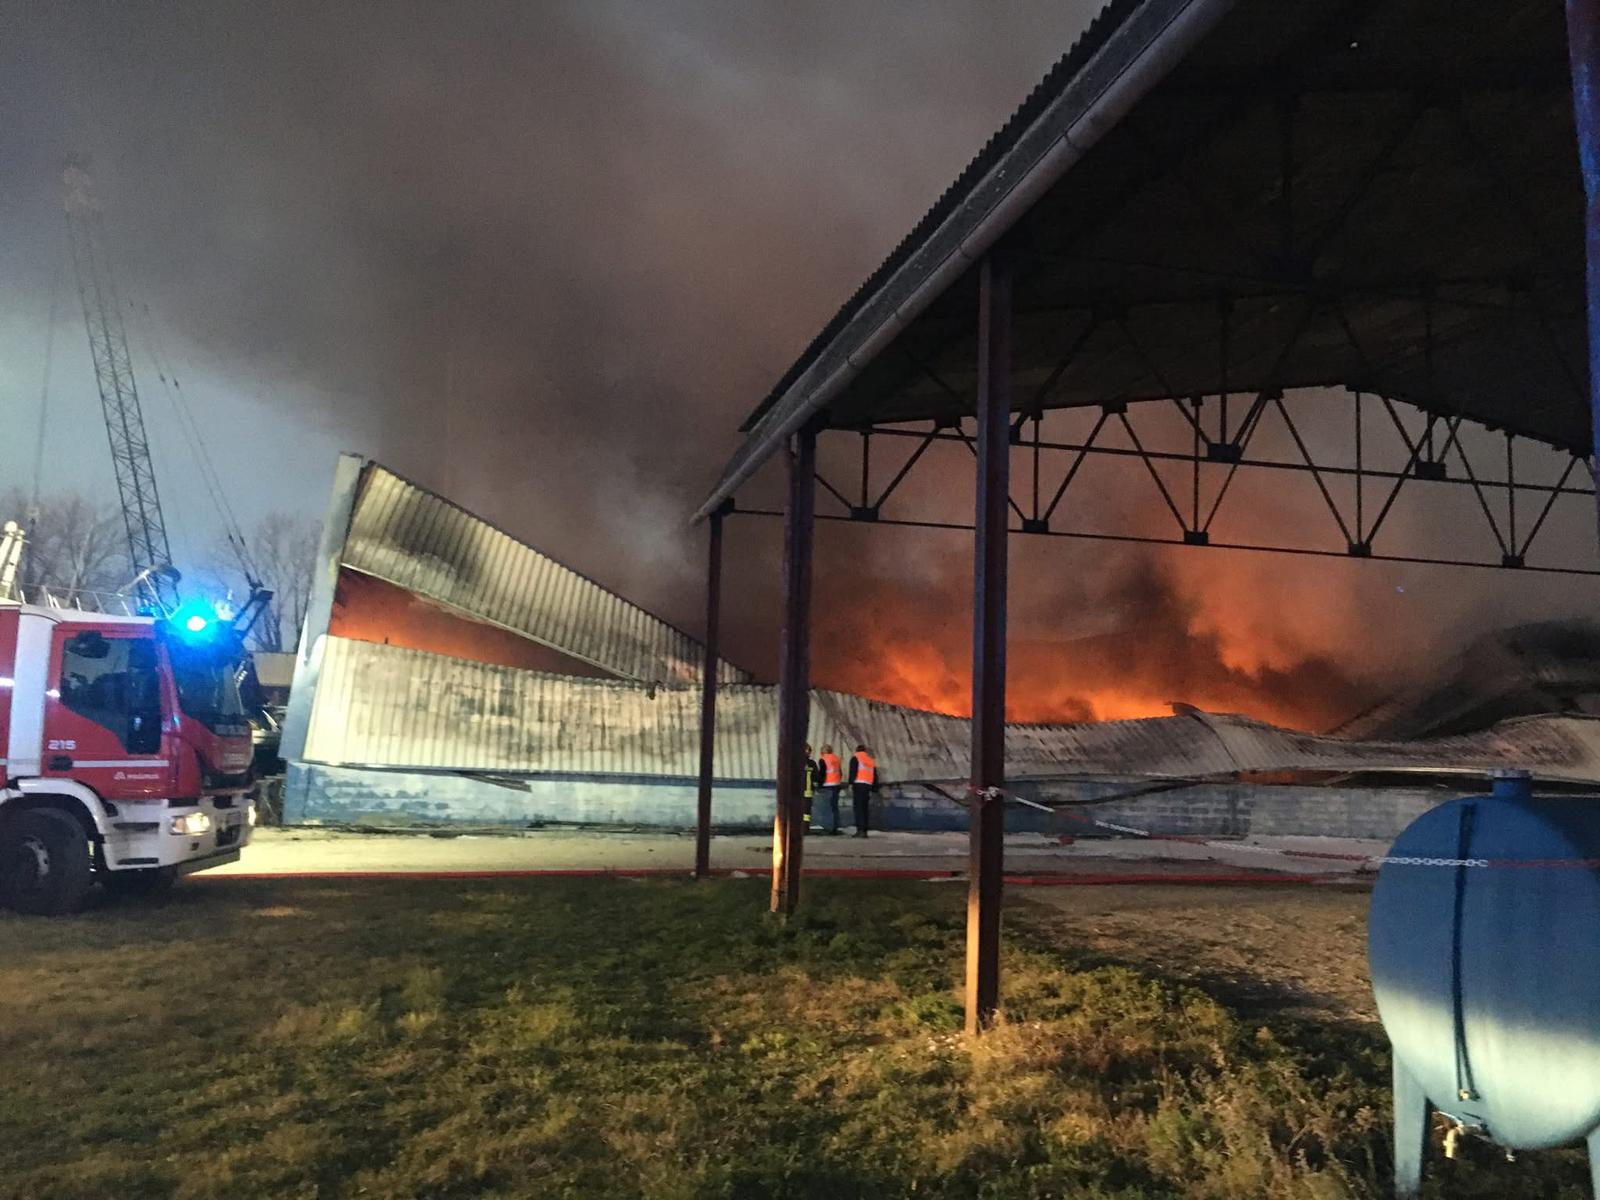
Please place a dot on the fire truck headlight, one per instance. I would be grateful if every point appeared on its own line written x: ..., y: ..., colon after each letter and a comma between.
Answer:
x: 191, y: 824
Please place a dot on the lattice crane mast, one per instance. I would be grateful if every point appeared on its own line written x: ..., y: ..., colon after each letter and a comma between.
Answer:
x: 155, y: 578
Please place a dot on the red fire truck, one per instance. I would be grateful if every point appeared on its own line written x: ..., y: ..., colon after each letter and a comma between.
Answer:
x: 124, y: 752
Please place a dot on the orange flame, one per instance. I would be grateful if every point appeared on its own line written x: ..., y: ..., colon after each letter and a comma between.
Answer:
x: 915, y: 649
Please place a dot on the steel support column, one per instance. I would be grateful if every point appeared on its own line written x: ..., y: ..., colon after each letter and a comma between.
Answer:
x: 708, y: 697
x: 794, y: 672
x: 987, y: 861
x: 1583, y: 49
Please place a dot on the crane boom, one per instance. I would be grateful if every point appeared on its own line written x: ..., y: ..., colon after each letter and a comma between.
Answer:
x: 148, y: 549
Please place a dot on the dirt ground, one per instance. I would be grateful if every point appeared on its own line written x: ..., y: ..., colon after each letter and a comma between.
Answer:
x: 1297, y: 950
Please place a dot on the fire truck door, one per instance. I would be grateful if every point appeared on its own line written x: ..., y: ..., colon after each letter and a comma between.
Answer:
x: 104, y: 713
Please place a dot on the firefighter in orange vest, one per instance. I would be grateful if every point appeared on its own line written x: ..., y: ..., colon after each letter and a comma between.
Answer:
x: 832, y: 780
x: 863, y: 780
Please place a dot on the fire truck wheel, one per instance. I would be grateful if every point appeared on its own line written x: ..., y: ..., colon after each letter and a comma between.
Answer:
x: 45, y: 865
x: 153, y: 881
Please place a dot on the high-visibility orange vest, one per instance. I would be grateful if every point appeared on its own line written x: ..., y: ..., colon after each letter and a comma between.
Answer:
x: 833, y: 771
x: 866, y: 769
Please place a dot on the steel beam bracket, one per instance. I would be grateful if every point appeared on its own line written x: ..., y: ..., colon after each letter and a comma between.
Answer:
x: 1512, y: 560
x: 1429, y: 469
x: 1196, y: 537
x: 1035, y: 525
x: 863, y: 512
x: 1224, y: 452
x: 1359, y: 550
x: 1114, y: 408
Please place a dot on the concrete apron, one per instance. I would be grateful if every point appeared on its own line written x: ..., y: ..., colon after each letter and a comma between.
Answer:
x: 936, y: 857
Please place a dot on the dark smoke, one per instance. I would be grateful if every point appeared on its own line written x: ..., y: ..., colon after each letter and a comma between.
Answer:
x: 543, y: 257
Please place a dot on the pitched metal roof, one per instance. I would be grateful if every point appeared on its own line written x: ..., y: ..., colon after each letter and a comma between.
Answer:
x: 1035, y: 106
x: 1378, y: 195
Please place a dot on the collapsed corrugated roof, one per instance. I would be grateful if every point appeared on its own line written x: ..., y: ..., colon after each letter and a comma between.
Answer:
x: 1540, y: 668
x: 394, y: 707
x: 416, y: 539
x: 391, y: 707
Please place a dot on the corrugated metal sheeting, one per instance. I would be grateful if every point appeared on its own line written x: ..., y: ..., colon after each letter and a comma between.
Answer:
x: 420, y: 541
x: 387, y: 706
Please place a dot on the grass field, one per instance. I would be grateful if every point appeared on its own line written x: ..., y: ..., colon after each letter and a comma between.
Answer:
x: 594, y: 1037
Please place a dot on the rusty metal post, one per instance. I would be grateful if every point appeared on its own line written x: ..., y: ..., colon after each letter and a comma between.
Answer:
x: 708, y: 698
x: 986, y: 865
x: 794, y: 673
x: 1583, y: 50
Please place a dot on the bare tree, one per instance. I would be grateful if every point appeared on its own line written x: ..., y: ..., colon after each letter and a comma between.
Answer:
x: 77, y: 545
x: 74, y: 544
x: 282, y: 549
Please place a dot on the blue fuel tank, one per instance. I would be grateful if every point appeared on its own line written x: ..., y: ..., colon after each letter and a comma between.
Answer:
x: 1484, y: 941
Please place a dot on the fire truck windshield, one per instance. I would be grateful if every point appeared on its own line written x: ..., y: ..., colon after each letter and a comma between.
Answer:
x: 208, y: 684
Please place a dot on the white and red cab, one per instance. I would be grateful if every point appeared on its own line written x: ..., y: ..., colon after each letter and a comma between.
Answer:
x: 125, y: 753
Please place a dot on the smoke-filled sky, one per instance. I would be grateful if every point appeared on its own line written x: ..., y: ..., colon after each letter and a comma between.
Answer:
x: 544, y: 258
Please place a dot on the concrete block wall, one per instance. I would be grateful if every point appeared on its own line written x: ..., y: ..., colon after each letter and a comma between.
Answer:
x: 365, y: 796
x: 397, y: 799
x: 1243, y: 810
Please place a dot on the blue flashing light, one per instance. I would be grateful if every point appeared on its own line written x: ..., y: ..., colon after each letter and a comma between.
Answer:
x: 195, y: 620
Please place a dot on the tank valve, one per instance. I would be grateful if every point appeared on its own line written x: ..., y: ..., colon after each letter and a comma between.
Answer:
x: 1452, y: 1141
x: 1512, y: 783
